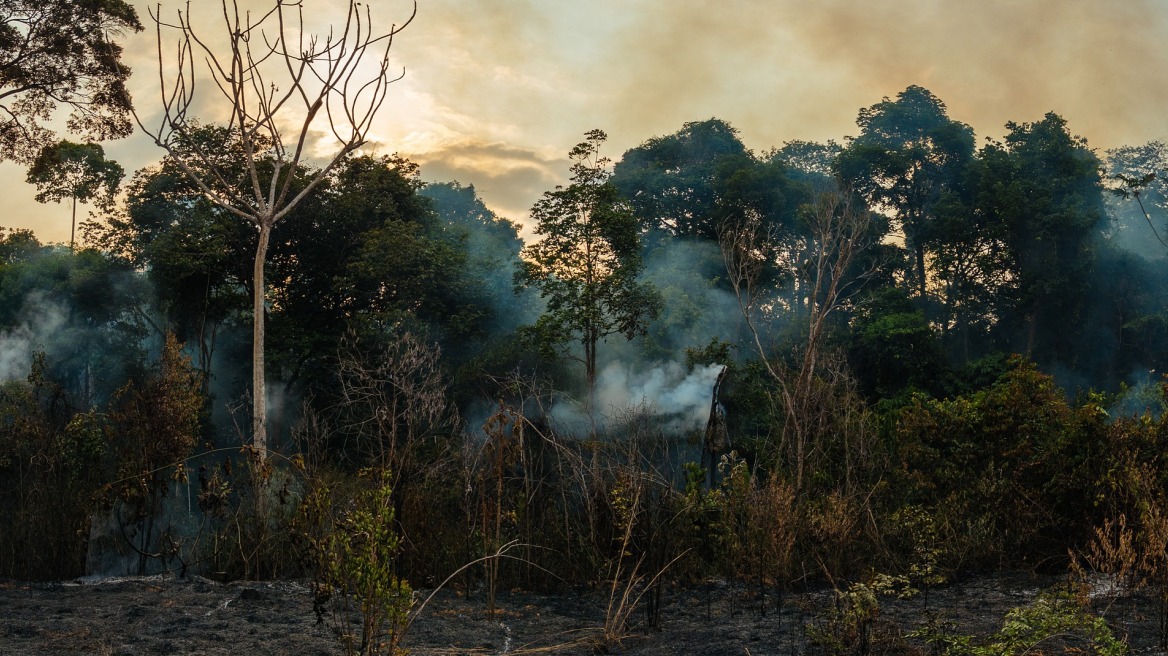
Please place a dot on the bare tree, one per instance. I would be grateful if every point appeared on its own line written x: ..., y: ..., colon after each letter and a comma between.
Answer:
x: 821, y: 259
x: 279, y: 83
x: 390, y: 401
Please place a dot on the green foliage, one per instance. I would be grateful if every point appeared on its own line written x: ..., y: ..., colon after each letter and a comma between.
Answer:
x: 893, y: 348
x: 986, y: 464
x: 1053, y: 616
x: 669, y: 180
x: 1056, y: 621
x: 981, y: 461
x: 197, y: 257
x: 16, y: 245
x: 76, y: 171
x: 717, y: 351
x: 354, y: 546
x: 809, y: 158
x: 490, y: 246
x: 1041, y: 190
x: 84, y: 310
x: 915, y: 540
x: 52, y: 462
x: 587, y: 261
x: 846, y: 628
x: 365, y: 253
x: 60, y: 52
x: 79, y: 172
x: 689, y: 276
x: 909, y: 157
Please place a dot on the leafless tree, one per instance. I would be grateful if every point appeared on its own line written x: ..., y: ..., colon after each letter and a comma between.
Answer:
x: 820, y: 259
x: 282, y: 86
x: 390, y: 401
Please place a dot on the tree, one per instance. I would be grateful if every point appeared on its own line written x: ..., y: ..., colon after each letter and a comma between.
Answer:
x: 60, y: 52
x: 768, y: 197
x: 277, y: 82
x: 826, y: 256
x: 492, y: 246
x: 1140, y: 173
x: 587, y: 262
x: 892, y: 347
x: 196, y: 254
x: 908, y: 156
x: 1041, y: 189
x: 153, y: 427
x: 670, y: 181
x: 18, y: 244
x: 366, y: 254
x: 82, y: 309
x: 809, y: 158
x: 76, y: 171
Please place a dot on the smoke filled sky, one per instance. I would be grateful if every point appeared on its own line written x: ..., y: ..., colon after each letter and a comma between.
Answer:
x: 497, y: 92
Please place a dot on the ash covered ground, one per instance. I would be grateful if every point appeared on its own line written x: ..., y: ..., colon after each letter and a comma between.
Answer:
x: 168, y: 615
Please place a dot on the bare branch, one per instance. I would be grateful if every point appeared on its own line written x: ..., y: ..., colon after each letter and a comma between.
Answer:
x: 273, y: 76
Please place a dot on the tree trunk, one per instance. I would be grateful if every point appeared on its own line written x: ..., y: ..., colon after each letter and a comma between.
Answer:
x: 73, y: 225
x: 590, y: 365
x: 259, y: 389
x: 922, y: 280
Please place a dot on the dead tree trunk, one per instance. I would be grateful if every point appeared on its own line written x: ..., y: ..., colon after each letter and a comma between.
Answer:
x: 717, y: 439
x: 834, y: 234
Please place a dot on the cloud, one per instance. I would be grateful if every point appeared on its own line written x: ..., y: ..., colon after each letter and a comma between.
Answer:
x: 536, y: 75
x: 790, y: 69
x: 508, y: 178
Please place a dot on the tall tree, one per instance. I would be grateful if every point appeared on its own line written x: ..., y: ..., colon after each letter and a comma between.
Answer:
x: 1042, y: 189
x: 278, y: 83
x: 366, y: 254
x: 768, y: 196
x: 670, y: 181
x: 587, y: 261
x: 908, y: 156
x: 79, y: 172
x: 82, y: 309
x: 492, y: 245
x: 809, y: 158
x: 60, y: 52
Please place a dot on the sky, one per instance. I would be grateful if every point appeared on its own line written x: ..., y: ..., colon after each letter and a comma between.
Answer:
x: 496, y: 92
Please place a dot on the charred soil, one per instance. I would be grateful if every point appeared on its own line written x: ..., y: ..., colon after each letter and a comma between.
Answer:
x: 169, y: 615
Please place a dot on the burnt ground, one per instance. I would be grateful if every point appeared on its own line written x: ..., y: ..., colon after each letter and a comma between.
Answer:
x: 167, y: 615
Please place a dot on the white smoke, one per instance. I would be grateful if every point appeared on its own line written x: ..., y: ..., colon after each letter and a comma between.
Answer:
x: 679, y: 399
x: 17, y: 346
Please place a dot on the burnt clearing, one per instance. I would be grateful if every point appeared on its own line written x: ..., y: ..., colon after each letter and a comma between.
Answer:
x: 168, y: 615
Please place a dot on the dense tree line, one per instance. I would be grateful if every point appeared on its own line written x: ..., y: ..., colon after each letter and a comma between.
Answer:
x: 938, y: 358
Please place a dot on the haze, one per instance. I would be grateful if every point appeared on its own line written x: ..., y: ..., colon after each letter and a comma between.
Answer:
x: 496, y: 93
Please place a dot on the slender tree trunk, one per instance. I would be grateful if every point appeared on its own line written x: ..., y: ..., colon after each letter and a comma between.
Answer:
x: 259, y: 389
x: 922, y: 282
x: 73, y: 225
x: 590, y: 364
x: 1032, y: 328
